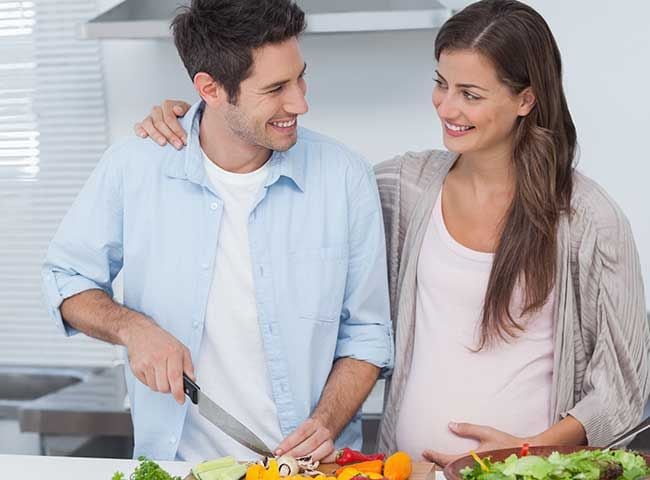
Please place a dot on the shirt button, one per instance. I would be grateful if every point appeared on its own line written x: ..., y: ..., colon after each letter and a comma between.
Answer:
x: 172, y: 439
x: 196, y: 325
x: 214, y: 206
x: 205, y: 266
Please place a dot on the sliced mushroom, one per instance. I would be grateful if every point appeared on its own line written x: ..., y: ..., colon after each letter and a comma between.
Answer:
x: 288, y: 466
x: 307, y: 463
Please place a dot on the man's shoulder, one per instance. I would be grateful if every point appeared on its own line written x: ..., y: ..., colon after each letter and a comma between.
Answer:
x: 136, y: 155
x: 311, y: 137
x: 315, y: 144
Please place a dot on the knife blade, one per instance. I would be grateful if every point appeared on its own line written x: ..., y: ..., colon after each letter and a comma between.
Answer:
x: 223, y: 420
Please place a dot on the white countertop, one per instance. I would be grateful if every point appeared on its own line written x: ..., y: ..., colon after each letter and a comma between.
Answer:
x: 33, y: 467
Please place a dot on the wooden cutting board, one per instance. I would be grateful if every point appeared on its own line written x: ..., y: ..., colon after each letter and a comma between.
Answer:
x: 420, y: 470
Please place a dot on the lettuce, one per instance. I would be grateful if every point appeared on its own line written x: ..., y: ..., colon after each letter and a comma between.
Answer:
x: 581, y: 465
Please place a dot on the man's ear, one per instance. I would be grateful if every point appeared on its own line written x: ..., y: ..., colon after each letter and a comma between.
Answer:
x: 209, y: 89
x: 527, y: 101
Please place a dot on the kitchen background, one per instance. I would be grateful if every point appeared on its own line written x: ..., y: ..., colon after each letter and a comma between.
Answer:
x: 70, y: 98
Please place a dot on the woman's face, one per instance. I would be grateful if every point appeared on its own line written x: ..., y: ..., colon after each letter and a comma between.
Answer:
x: 478, y: 112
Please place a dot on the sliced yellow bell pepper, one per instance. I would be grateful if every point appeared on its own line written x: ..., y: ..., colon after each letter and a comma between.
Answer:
x: 479, y: 461
x: 272, y: 472
x: 348, y: 473
x: 255, y: 472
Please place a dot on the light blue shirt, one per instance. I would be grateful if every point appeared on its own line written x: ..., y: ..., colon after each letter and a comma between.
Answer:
x: 316, y: 242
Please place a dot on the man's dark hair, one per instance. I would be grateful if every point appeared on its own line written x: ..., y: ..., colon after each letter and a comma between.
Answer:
x: 218, y: 36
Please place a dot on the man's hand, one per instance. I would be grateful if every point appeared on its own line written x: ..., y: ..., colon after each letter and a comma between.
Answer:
x: 157, y: 358
x: 162, y: 124
x: 313, y: 438
x: 348, y: 385
x: 489, y: 438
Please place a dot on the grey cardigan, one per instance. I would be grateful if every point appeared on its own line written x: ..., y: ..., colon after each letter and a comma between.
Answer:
x: 601, y: 370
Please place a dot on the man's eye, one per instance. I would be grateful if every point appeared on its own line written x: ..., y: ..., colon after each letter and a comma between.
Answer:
x: 276, y: 89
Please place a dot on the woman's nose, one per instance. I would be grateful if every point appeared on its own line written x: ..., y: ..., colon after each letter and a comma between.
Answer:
x: 446, y: 106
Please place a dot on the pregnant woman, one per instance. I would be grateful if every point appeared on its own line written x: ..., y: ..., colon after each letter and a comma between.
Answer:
x: 516, y: 291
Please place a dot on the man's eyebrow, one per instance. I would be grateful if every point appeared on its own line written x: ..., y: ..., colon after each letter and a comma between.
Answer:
x: 463, y: 85
x: 282, y: 82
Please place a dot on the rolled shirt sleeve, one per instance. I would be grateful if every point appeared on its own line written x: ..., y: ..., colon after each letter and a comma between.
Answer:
x: 86, y: 251
x: 365, y: 331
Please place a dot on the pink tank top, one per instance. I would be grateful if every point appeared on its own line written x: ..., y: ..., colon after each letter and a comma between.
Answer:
x: 507, y: 387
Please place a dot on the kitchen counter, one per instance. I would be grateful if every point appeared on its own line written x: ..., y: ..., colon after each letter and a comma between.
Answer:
x: 28, y: 467
x: 94, y: 406
x: 32, y: 467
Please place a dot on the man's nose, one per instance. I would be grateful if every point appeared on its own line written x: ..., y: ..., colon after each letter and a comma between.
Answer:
x: 296, y: 102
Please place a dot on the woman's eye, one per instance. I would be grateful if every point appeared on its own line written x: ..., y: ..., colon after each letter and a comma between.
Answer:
x: 439, y: 83
x: 470, y: 96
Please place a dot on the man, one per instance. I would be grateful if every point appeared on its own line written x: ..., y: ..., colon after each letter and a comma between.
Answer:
x: 256, y: 254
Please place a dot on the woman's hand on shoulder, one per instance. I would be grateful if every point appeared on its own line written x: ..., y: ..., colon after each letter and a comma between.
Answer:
x: 162, y: 124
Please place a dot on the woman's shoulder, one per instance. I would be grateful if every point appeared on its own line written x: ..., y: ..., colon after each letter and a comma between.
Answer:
x: 415, y: 168
x: 599, y: 230
x: 591, y: 205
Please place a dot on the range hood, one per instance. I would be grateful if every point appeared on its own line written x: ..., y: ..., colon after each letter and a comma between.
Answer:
x: 151, y: 18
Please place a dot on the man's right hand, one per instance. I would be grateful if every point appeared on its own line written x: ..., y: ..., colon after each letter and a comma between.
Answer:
x: 157, y: 358
x: 162, y: 124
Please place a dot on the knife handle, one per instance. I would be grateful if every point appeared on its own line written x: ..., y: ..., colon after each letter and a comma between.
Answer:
x: 191, y: 389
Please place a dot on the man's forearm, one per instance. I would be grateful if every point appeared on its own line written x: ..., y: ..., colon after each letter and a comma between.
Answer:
x: 348, y: 385
x: 97, y: 315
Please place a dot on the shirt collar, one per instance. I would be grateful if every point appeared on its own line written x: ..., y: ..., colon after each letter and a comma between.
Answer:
x: 191, y: 168
x: 289, y: 164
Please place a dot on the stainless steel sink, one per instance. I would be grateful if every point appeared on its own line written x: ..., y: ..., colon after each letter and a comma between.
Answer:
x: 21, y: 385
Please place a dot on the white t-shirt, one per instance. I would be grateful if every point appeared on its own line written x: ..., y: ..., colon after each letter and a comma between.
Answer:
x: 507, y: 387
x: 231, y: 367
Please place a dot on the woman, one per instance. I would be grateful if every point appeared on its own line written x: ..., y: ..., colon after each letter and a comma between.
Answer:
x: 515, y: 283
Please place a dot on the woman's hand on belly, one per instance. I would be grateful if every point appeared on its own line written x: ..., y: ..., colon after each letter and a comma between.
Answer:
x: 489, y: 439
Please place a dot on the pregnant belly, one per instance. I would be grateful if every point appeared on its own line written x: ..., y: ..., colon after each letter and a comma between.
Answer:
x: 423, y: 420
x: 421, y: 426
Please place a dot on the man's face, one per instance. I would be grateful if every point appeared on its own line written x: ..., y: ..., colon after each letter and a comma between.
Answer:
x: 270, y: 100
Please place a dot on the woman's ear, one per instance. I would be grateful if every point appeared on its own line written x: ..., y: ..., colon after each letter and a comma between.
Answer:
x: 527, y: 101
x: 209, y: 90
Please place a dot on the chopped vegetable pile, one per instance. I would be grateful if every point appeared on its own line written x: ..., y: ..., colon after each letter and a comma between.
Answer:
x: 147, y: 470
x: 582, y: 465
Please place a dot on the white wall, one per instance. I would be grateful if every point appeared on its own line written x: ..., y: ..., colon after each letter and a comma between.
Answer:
x: 372, y: 91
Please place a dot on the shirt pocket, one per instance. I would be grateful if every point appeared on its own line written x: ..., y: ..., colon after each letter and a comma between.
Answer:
x: 320, y: 276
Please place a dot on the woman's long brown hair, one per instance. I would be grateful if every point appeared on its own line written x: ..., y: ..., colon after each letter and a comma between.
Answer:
x: 520, y: 45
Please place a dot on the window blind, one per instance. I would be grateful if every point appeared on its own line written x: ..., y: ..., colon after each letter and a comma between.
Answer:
x: 52, y: 133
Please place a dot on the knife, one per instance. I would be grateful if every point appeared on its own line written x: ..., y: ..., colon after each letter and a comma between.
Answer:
x: 223, y: 420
